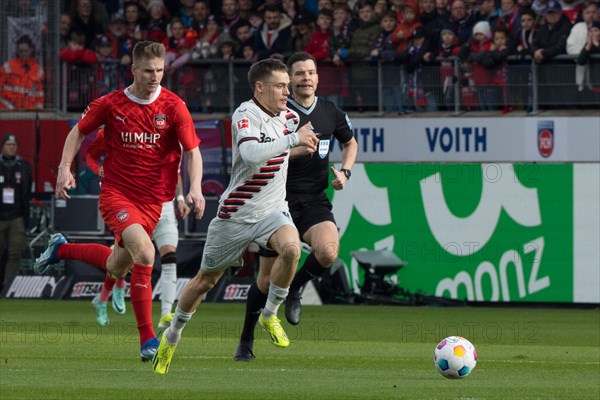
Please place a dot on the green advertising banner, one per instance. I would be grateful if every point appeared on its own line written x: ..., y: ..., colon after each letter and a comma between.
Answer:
x: 478, y: 232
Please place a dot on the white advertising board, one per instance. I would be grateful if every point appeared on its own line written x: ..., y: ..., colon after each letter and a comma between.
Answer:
x: 531, y: 139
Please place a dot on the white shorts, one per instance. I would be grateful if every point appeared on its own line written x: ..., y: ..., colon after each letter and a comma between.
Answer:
x: 166, y: 231
x: 227, y: 240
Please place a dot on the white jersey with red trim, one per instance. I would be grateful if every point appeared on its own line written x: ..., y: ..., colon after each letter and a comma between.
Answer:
x: 260, y: 151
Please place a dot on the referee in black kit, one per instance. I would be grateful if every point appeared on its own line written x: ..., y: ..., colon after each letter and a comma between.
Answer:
x: 308, y: 175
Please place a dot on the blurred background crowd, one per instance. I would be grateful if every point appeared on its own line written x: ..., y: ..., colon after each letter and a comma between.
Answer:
x: 395, y: 56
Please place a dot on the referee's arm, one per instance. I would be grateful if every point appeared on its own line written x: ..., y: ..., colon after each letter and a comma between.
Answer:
x: 349, y: 150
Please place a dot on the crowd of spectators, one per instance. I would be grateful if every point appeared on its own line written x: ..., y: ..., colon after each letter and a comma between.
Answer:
x: 338, y: 33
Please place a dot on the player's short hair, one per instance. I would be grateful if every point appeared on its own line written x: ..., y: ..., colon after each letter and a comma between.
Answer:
x: 262, y: 69
x: 299, y: 56
x: 148, y: 51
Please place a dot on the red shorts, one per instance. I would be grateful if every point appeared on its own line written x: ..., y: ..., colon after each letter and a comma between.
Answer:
x: 119, y: 212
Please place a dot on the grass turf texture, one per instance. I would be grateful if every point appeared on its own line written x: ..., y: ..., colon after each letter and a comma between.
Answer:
x: 55, y: 350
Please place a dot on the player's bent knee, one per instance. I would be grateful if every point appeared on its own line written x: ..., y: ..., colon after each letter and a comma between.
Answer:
x: 145, y: 257
x: 291, y: 252
x: 326, y: 253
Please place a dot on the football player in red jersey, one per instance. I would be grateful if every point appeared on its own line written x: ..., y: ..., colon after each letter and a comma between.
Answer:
x: 145, y: 128
x: 165, y: 237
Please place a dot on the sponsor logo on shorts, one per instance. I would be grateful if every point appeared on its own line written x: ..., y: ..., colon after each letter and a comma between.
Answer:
x: 122, y: 216
x: 160, y: 121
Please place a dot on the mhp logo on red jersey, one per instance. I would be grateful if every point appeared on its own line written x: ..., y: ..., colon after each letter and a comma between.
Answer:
x: 243, y: 124
x: 160, y: 121
x: 545, y: 138
x: 122, y: 216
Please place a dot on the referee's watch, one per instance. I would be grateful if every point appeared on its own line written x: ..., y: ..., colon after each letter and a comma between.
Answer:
x: 346, y: 172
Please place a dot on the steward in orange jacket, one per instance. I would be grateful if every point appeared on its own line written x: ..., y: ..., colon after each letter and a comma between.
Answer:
x: 21, y: 80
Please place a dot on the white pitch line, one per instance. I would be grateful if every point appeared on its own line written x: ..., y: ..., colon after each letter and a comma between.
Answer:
x: 544, y: 362
x: 113, y: 369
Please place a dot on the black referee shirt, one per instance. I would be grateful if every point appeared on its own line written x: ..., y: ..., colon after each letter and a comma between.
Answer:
x: 309, y: 173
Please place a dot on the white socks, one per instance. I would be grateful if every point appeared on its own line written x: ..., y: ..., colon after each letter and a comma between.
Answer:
x: 180, y: 319
x: 275, y: 298
x: 168, y: 287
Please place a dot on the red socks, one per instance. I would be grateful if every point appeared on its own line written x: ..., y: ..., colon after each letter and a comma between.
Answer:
x: 140, y: 289
x: 89, y: 253
x: 107, y: 288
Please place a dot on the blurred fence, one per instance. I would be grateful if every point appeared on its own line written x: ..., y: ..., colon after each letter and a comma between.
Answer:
x: 220, y: 86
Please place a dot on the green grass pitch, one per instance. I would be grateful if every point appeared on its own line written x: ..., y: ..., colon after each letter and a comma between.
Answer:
x: 55, y: 350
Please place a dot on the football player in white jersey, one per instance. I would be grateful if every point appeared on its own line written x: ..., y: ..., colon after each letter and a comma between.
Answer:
x: 307, y: 180
x: 253, y: 207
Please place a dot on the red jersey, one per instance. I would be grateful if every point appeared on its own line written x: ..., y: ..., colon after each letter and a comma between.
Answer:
x: 142, y: 141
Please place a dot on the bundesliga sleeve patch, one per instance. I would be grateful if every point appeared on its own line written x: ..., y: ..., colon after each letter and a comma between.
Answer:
x: 243, y: 124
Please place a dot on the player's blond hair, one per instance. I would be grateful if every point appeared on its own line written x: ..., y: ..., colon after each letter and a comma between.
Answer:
x: 148, y: 51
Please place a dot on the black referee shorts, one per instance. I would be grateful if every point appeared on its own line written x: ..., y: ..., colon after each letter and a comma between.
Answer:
x: 307, y: 210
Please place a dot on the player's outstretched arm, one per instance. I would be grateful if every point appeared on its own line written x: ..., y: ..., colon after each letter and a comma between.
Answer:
x: 195, y: 197
x: 252, y: 151
x: 65, y: 179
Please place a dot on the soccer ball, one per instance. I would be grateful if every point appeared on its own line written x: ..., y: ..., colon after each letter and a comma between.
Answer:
x: 455, y: 357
